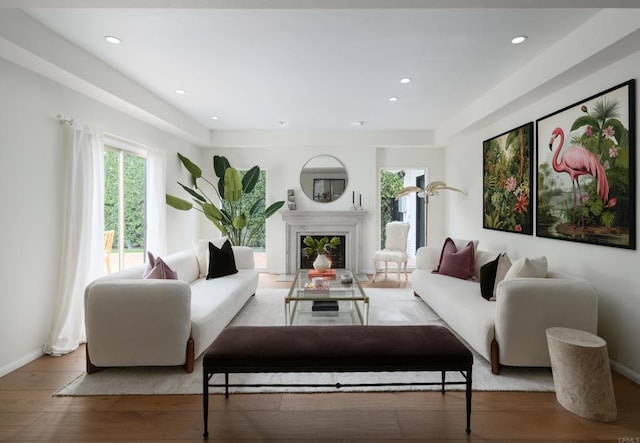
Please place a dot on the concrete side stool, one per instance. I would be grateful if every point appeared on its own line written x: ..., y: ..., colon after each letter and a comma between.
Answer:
x: 581, y: 373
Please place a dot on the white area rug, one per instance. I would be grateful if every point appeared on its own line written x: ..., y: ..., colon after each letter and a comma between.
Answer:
x: 388, y: 307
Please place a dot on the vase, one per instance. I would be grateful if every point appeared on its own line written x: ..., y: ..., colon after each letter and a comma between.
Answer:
x: 321, y: 263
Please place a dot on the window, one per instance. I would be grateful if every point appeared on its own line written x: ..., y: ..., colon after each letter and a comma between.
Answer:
x: 257, y: 225
x: 124, y: 207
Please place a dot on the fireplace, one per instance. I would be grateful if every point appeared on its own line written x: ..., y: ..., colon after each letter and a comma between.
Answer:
x: 345, y: 224
x: 337, y: 256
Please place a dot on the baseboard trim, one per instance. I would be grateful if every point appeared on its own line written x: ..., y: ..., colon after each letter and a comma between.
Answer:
x: 12, y: 366
x: 623, y: 370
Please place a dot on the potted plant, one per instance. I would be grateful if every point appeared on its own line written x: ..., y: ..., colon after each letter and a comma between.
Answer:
x: 319, y: 247
x: 234, y: 192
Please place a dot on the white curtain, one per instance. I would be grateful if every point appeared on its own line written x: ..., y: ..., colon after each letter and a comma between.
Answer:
x: 156, y: 235
x: 82, y: 242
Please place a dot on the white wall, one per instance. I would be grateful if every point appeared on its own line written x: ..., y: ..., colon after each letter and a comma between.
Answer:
x: 613, y: 271
x: 31, y: 191
x: 363, y: 163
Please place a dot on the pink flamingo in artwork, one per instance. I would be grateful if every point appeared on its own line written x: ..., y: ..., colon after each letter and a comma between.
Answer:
x: 577, y: 161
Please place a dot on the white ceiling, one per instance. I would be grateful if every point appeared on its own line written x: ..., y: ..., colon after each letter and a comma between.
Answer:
x: 316, y: 68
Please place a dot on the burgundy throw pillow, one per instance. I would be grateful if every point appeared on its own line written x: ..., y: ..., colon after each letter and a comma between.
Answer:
x: 161, y: 271
x: 151, y: 262
x: 457, y: 263
x: 448, y: 247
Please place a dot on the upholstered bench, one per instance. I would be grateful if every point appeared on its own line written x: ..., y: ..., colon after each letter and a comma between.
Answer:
x: 362, y: 348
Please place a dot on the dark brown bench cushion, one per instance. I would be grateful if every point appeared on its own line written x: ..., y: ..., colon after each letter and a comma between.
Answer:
x: 336, y: 349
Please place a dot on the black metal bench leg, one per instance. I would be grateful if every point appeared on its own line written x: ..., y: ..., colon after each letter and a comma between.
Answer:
x: 205, y: 402
x: 443, y: 377
x: 226, y: 385
x: 468, y: 402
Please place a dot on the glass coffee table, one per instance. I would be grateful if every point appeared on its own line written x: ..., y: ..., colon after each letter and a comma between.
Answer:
x: 332, y: 303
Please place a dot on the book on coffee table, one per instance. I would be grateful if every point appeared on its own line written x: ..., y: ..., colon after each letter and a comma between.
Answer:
x: 329, y: 274
x: 325, y: 305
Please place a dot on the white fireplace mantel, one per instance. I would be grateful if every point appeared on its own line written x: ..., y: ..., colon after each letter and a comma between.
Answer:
x: 347, y: 223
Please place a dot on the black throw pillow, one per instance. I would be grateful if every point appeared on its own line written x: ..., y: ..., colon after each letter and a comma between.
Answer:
x: 221, y: 260
x: 488, y: 278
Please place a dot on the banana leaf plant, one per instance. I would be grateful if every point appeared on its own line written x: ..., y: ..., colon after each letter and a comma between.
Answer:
x: 235, y: 194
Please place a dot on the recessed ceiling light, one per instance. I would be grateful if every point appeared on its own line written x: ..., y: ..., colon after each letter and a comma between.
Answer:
x: 112, y: 39
x: 518, y: 39
x: 359, y: 123
x: 393, y: 99
x: 281, y: 123
x: 405, y: 80
x: 180, y: 91
x: 214, y: 118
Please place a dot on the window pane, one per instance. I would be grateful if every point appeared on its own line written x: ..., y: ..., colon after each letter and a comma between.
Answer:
x: 111, y: 204
x: 134, y: 209
x: 256, y: 225
x: 124, y: 208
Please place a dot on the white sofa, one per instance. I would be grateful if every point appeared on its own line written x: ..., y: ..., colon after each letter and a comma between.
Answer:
x: 511, y: 330
x: 135, y: 322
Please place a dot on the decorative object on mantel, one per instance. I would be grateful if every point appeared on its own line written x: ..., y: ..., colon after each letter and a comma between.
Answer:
x: 356, y: 203
x: 291, y: 200
x: 320, y: 247
x: 432, y: 189
x: 240, y: 214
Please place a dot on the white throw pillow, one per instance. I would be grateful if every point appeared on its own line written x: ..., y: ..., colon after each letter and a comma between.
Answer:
x: 201, y: 246
x: 504, y: 264
x: 528, y: 268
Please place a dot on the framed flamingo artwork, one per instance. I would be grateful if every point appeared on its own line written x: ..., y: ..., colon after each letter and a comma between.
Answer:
x: 506, y: 181
x: 586, y: 170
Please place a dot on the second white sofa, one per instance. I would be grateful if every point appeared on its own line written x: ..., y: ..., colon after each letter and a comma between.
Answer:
x: 136, y: 322
x: 511, y: 330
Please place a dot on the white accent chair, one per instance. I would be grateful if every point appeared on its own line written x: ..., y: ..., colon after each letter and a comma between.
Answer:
x: 395, y: 249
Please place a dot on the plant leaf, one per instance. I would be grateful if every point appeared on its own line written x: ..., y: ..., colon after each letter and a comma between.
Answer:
x: 256, y: 207
x: 232, y: 185
x: 273, y: 208
x: 193, y: 193
x: 239, y: 222
x: 220, y: 165
x: 250, y: 179
x: 178, y: 203
x: 211, y: 211
x: 193, y: 169
x: 226, y: 216
x: 223, y: 230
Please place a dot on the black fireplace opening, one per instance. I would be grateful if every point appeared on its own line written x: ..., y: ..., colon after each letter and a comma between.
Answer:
x: 336, y: 256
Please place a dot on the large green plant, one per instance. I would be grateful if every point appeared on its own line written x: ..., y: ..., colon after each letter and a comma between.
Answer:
x: 233, y: 191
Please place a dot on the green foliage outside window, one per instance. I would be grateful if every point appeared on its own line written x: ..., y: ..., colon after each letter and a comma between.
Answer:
x: 134, y: 198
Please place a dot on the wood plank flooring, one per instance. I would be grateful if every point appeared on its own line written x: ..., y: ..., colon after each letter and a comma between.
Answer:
x: 30, y: 413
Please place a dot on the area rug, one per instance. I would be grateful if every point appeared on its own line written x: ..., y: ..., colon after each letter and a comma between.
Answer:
x: 387, y: 307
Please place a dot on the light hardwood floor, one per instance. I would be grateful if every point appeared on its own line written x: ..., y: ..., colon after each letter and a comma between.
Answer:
x: 29, y: 412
